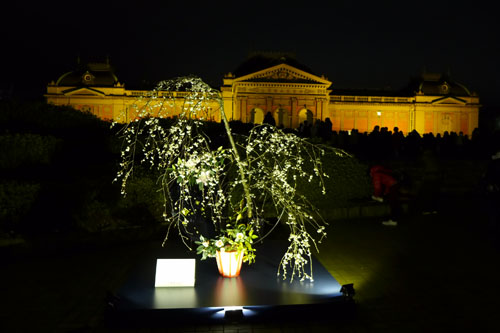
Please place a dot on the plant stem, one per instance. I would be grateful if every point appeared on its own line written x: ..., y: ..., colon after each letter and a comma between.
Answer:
x: 241, y: 167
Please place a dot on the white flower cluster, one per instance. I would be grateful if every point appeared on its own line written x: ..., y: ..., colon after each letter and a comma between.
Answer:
x: 202, y: 169
x: 298, y: 256
x: 199, y: 180
x: 275, y: 164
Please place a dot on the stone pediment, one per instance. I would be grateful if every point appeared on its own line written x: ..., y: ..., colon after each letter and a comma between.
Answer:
x: 283, y: 73
x: 449, y: 100
x: 83, y: 91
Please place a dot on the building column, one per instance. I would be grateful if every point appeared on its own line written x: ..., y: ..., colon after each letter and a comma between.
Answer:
x: 239, y: 113
x: 318, y: 111
x: 243, y: 109
x: 473, y: 120
x: 294, y: 116
x: 413, y: 118
x: 320, y: 108
x: 269, y: 105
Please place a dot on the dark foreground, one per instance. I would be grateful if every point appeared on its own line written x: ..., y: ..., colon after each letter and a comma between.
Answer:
x: 431, y: 273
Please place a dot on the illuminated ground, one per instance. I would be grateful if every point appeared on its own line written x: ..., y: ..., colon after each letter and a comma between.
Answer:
x: 431, y: 273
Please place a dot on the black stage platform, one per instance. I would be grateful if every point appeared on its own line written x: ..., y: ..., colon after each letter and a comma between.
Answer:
x: 257, y: 294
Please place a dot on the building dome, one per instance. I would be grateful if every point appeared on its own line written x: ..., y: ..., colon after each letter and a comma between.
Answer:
x: 91, y: 74
x: 436, y: 84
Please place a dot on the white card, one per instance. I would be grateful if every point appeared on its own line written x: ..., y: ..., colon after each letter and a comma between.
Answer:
x: 175, y: 272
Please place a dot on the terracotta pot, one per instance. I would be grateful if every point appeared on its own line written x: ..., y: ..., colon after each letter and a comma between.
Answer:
x: 229, y: 262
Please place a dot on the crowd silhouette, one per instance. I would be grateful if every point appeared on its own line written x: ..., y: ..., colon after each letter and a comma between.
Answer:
x: 383, y: 143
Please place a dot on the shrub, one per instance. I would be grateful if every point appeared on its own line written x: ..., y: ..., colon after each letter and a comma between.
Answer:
x: 26, y: 149
x: 16, y: 201
x: 43, y: 118
x: 143, y: 204
x: 348, y: 180
x: 95, y: 216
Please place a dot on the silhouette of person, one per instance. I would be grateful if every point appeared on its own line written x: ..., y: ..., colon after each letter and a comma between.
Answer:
x: 386, y: 188
x: 269, y: 119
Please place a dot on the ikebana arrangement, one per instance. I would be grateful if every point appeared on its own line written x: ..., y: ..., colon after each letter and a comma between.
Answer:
x: 218, y: 195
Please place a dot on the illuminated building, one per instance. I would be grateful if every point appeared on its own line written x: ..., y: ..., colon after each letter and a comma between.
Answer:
x: 292, y: 94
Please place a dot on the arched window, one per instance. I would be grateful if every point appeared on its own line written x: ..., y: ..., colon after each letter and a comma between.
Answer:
x: 257, y: 116
x: 305, y: 115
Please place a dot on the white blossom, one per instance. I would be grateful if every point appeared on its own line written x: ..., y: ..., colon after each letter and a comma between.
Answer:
x: 203, y: 178
x: 271, y: 165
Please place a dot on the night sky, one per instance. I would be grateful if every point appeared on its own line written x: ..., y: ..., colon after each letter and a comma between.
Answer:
x: 375, y: 44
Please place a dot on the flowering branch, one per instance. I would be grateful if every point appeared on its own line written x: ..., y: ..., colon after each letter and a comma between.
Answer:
x: 205, y: 198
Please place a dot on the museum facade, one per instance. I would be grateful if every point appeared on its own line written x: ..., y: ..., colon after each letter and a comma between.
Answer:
x: 292, y: 94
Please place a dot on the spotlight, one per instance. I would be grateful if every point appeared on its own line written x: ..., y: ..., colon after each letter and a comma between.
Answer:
x: 233, y: 314
x: 347, y: 291
x: 111, y: 300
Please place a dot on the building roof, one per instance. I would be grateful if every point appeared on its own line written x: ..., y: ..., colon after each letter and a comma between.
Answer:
x: 91, y: 74
x: 262, y: 60
x: 437, y: 84
x: 431, y: 84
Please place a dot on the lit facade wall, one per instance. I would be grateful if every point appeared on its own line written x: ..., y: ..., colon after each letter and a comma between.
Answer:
x: 104, y: 102
x: 439, y: 114
x: 363, y: 113
x: 291, y: 96
x: 121, y: 105
x: 425, y: 114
